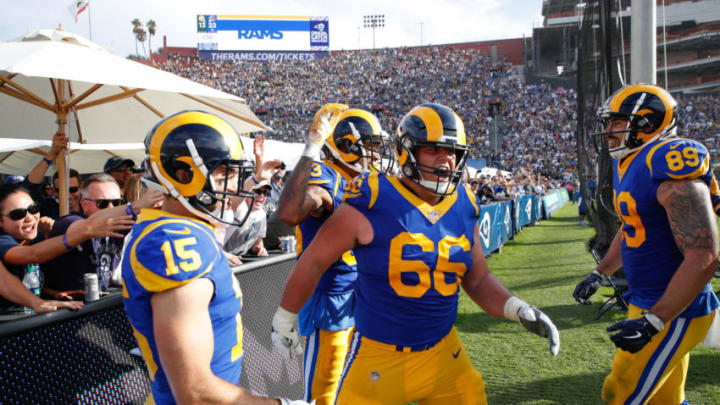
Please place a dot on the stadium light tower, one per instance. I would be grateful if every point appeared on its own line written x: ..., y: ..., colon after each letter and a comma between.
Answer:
x: 374, y: 21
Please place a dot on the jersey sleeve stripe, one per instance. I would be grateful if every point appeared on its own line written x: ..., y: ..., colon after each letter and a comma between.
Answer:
x: 374, y: 186
x: 146, y: 353
x: 318, y: 182
x: 337, y: 185
x: 704, y: 167
x: 473, y: 200
x: 154, y: 283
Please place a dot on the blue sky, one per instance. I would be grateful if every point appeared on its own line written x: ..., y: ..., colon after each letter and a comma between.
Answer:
x: 442, y: 21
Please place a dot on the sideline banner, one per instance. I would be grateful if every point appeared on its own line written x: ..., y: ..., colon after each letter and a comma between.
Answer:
x: 553, y: 200
x: 495, y: 225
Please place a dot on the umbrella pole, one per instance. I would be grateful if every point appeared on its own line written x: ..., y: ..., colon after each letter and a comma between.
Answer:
x: 61, y: 159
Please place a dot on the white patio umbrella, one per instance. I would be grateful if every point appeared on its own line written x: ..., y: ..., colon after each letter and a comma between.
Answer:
x: 52, y: 78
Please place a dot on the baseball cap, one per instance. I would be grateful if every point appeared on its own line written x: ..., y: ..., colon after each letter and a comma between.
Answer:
x: 116, y: 162
x: 261, y: 184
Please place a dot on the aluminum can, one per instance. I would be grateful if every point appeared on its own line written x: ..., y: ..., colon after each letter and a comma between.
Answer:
x: 287, y: 244
x: 92, y: 289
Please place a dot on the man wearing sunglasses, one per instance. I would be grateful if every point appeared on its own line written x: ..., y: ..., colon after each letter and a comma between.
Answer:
x: 99, y: 255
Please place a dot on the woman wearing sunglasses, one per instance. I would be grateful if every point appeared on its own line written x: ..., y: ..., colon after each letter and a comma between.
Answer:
x: 19, y: 218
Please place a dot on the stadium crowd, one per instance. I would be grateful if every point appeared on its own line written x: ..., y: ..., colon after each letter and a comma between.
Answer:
x: 387, y: 81
x: 537, y: 121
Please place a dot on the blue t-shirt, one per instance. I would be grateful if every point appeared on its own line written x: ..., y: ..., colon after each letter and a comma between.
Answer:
x: 7, y: 242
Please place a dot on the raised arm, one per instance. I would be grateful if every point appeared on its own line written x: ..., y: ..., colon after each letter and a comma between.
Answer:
x: 298, y: 199
x: 59, y: 141
x: 76, y: 233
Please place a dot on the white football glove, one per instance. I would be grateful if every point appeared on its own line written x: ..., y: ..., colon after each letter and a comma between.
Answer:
x: 285, y: 401
x: 285, y: 336
x: 533, y: 320
x: 324, y: 122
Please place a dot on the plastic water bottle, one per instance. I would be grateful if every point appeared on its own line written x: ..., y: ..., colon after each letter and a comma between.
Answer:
x: 32, y: 281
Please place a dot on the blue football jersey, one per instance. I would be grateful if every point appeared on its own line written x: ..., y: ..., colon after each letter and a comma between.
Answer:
x: 650, y: 255
x: 165, y: 251
x: 409, y: 275
x: 331, y: 305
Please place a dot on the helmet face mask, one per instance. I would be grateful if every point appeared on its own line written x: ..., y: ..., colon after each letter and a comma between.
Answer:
x: 359, y: 142
x: 435, y: 126
x: 197, y: 158
x: 649, y: 111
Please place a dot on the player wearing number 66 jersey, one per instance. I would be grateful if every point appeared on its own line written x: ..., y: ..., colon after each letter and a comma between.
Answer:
x: 180, y: 295
x: 416, y: 241
x: 667, y: 246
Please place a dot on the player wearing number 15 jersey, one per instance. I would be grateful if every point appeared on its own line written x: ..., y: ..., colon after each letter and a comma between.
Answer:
x: 667, y: 246
x: 416, y: 241
x: 180, y: 295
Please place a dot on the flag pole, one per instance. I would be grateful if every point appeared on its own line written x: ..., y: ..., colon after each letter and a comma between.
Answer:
x: 89, y: 20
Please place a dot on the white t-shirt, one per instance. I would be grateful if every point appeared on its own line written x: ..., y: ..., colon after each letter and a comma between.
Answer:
x: 238, y: 240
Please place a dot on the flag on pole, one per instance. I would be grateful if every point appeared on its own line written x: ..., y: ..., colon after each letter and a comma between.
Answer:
x: 77, y: 7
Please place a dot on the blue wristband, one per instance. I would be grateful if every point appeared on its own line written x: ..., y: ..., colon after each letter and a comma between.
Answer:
x: 48, y: 161
x: 129, y: 211
x: 64, y: 239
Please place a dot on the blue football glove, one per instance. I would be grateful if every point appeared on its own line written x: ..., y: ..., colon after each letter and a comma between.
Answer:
x: 634, y: 334
x: 588, y: 287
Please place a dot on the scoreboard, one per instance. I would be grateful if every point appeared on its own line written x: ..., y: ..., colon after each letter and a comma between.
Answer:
x: 262, y: 38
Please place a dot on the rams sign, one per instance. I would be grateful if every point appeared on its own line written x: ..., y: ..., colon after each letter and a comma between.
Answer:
x: 264, y: 38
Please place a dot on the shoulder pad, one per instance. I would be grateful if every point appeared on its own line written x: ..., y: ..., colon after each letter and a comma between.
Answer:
x: 676, y: 159
x: 362, y: 191
x: 171, y: 252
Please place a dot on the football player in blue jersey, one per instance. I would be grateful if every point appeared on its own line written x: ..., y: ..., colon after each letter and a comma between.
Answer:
x: 416, y: 241
x: 355, y: 143
x: 179, y: 293
x: 667, y: 245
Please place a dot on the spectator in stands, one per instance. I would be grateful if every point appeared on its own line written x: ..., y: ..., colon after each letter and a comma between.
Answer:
x: 14, y: 291
x: 95, y: 255
x: 133, y: 188
x: 249, y: 237
x: 474, y: 186
x: 120, y: 169
x: 20, y: 219
x: 276, y: 183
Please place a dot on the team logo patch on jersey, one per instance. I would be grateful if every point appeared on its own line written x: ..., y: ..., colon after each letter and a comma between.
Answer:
x: 433, y: 216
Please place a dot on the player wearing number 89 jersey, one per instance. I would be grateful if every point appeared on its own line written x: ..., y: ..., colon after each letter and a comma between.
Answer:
x: 666, y: 245
x: 650, y: 253
x: 416, y: 241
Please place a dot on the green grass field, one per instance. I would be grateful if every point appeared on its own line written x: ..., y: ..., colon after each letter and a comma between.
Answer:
x: 542, y: 265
